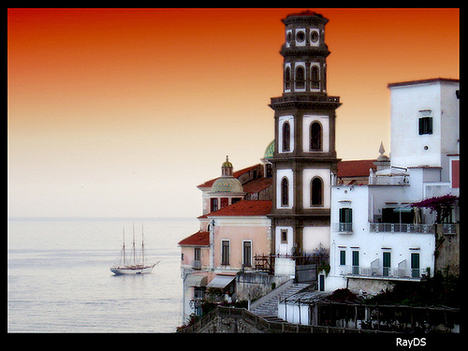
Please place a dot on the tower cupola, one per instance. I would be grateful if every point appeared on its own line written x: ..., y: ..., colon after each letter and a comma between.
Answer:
x: 305, y: 53
x: 226, y: 168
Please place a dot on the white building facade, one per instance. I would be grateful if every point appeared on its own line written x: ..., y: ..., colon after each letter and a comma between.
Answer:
x: 376, y: 236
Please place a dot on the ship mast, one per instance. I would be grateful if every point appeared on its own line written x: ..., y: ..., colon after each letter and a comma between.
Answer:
x: 123, y: 246
x: 134, y: 252
x: 142, y: 246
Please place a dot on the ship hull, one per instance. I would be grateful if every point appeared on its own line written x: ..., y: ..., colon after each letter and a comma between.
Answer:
x: 132, y: 270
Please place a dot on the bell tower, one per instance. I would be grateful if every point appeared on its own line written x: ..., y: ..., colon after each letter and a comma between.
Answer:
x: 304, y: 160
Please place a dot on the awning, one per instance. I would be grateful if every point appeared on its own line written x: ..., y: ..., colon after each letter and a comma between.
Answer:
x: 196, y: 280
x: 221, y: 281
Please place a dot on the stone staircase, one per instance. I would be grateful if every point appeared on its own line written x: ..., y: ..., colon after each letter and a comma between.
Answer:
x: 267, y: 306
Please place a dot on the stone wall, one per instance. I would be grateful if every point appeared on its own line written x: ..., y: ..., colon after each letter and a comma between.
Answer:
x: 252, y: 285
x: 448, y: 250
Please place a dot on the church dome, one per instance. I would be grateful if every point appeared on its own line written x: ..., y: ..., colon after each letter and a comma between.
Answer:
x: 227, y: 185
x: 270, y: 150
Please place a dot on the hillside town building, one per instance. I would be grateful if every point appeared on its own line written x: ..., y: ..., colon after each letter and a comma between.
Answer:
x: 304, y: 214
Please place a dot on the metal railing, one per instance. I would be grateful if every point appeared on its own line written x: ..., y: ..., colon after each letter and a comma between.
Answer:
x: 380, y: 272
x: 384, y: 180
x: 342, y: 227
x: 401, y: 228
x: 196, y: 264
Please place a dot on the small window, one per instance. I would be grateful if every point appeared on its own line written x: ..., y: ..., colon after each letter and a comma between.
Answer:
x: 287, y: 78
x: 269, y: 170
x: 284, y: 236
x: 315, y: 136
x: 425, y: 125
x: 224, y: 252
x: 300, y: 80
x: 247, y: 253
x: 346, y: 220
x: 346, y: 215
x: 355, y: 262
x: 224, y: 202
x: 214, y: 205
x: 415, y: 264
x: 196, y: 253
x: 284, y: 192
x: 314, y: 36
x: 300, y: 36
x: 316, y: 191
x: 387, y: 263
x: 286, y: 136
x: 342, y: 257
x: 314, y: 77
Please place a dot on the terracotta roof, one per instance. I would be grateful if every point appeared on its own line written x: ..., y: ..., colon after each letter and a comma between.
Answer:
x: 237, y: 174
x: 257, y: 185
x: 198, y: 239
x: 245, y: 208
x: 355, y: 168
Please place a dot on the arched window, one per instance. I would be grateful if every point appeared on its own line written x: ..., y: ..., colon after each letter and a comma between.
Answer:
x: 284, y: 192
x: 316, y: 190
x: 287, y: 78
x: 300, y: 80
x: 286, y: 136
x: 314, y: 77
x: 315, y: 136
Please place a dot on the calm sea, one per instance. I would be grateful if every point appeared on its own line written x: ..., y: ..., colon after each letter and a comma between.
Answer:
x: 59, y: 278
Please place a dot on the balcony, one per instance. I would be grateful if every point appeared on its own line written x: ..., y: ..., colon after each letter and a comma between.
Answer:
x: 401, y: 228
x: 305, y: 100
x: 390, y: 176
x: 196, y: 264
x: 380, y: 272
x: 343, y: 228
x: 395, y: 180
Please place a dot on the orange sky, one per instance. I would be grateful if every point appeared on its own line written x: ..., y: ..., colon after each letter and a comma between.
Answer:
x: 123, y: 112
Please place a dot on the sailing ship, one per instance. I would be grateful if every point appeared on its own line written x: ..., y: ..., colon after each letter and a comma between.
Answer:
x: 135, y: 264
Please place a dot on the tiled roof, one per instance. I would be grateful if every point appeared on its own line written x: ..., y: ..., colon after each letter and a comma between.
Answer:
x: 257, y: 185
x: 198, y: 239
x: 355, y: 168
x: 245, y: 208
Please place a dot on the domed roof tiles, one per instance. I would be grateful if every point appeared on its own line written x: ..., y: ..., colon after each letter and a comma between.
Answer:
x: 270, y: 150
x: 227, y: 185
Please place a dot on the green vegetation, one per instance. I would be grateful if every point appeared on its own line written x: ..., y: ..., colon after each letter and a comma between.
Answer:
x: 440, y: 290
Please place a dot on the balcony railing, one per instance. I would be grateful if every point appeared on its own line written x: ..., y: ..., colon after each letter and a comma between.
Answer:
x: 305, y: 98
x: 380, y: 272
x: 395, y: 180
x: 196, y: 264
x: 401, y: 228
x: 343, y: 228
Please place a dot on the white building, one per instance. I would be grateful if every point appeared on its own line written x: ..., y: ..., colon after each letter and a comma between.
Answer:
x: 376, y: 236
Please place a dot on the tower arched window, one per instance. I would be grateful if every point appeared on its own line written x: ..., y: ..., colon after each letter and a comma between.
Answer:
x: 284, y: 192
x: 316, y: 190
x: 287, y: 78
x: 300, y: 78
x: 315, y: 136
x: 315, y: 77
x: 286, y: 136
